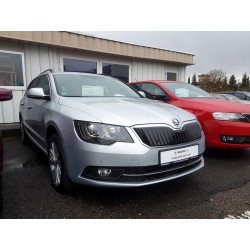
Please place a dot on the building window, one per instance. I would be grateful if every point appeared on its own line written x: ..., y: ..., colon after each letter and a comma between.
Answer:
x: 73, y: 65
x: 11, y: 69
x: 118, y: 71
x: 171, y: 76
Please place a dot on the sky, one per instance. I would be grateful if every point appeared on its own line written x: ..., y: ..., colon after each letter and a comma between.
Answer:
x: 216, y: 33
x: 226, y: 50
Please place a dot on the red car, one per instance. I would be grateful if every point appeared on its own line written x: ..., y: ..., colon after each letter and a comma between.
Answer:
x: 226, y: 124
x: 5, y: 95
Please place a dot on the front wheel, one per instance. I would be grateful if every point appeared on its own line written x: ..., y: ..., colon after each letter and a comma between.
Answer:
x: 58, y: 167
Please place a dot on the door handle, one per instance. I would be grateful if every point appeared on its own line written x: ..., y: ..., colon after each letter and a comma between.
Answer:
x: 21, y: 104
x: 29, y: 107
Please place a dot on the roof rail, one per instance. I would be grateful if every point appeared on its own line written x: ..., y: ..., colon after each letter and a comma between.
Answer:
x: 50, y: 70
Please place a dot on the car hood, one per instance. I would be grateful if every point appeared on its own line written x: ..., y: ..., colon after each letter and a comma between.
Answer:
x: 126, y: 111
x: 216, y: 105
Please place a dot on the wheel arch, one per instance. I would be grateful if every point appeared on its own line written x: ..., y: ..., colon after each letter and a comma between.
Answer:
x: 51, y: 130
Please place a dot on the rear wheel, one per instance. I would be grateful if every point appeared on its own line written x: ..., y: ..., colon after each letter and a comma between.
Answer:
x: 58, y: 167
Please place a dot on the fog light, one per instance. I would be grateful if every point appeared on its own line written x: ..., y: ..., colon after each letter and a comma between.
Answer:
x: 227, y: 138
x: 104, y: 172
x: 233, y: 139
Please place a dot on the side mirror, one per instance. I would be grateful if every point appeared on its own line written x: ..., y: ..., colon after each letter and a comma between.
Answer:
x: 142, y: 94
x: 5, y: 95
x: 37, y: 93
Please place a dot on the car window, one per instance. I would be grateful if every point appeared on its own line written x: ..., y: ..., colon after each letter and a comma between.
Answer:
x: 184, y: 90
x: 136, y: 86
x: 152, y: 89
x: 76, y: 85
x: 247, y: 96
x: 44, y: 84
x: 231, y: 97
x: 33, y: 83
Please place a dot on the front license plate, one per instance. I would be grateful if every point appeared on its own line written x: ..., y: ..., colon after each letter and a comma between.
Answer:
x: 178, y: 154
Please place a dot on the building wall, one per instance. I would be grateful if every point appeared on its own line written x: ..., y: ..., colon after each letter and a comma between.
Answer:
x: 38, y: 58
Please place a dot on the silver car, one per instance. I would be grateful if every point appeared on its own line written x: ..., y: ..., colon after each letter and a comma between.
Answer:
x: 96, y: 130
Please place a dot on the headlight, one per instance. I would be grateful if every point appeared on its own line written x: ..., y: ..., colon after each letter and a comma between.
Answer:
x: 101, y: 133
x: 234, y: 117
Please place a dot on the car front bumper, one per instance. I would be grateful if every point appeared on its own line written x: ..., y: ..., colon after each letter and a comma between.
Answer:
x: 133, y: 164
x: 216, y: 130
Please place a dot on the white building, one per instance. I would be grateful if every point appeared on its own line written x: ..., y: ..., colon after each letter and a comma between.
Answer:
x: 25, y: 54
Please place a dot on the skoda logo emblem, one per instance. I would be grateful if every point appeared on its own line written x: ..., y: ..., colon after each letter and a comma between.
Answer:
x: 176, y: 122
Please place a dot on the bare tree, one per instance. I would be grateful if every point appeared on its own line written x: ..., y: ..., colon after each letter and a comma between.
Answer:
x: 216, y: 75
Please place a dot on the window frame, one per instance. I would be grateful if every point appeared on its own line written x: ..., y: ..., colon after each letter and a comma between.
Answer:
x: 23, y: 69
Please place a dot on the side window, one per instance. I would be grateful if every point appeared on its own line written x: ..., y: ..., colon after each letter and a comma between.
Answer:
x: 44, y: 84
x: 152, y: 91
x: 240, y: 96
x: 136, y: 86
x: 33, y: 83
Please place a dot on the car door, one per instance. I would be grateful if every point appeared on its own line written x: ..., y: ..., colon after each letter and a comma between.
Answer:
x: 26, y: 109
x: 37, y: 110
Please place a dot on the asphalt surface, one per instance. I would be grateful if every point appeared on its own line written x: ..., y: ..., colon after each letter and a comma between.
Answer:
x: 220, y: 189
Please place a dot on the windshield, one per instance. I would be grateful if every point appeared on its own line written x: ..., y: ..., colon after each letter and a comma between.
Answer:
x: 185, y: 90
x: 77, y: 85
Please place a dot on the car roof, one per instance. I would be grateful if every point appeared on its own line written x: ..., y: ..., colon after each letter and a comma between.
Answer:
x: 158, y: 81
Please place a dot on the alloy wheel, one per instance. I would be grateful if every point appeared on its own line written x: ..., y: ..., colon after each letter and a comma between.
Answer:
x: 55, y: 164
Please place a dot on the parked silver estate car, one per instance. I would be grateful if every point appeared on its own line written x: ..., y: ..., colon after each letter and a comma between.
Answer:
x: 97, y: 130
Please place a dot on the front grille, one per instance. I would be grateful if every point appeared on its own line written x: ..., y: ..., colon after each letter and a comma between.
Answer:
x: 163, y: 136
x: 149, y: 173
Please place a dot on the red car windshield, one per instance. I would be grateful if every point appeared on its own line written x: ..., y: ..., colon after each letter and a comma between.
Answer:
x: 184, y: 90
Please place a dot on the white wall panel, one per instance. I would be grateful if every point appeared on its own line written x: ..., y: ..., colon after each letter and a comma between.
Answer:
x: 150, y: 71
x: 154, y: 68
x: 44, y: 58
x: 144, y: 70
x: 1, y: 113
x: 8, y: 114
x: 139, y: 71
x: 17, y: 96
x: 27, y: 64
x: 51, y: 58
x: 34, y: 61
x: 147, y: 70
x: 55, y: 60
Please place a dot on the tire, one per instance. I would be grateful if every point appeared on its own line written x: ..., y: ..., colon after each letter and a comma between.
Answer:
x: 58, y: 167
x: 24, y: 137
